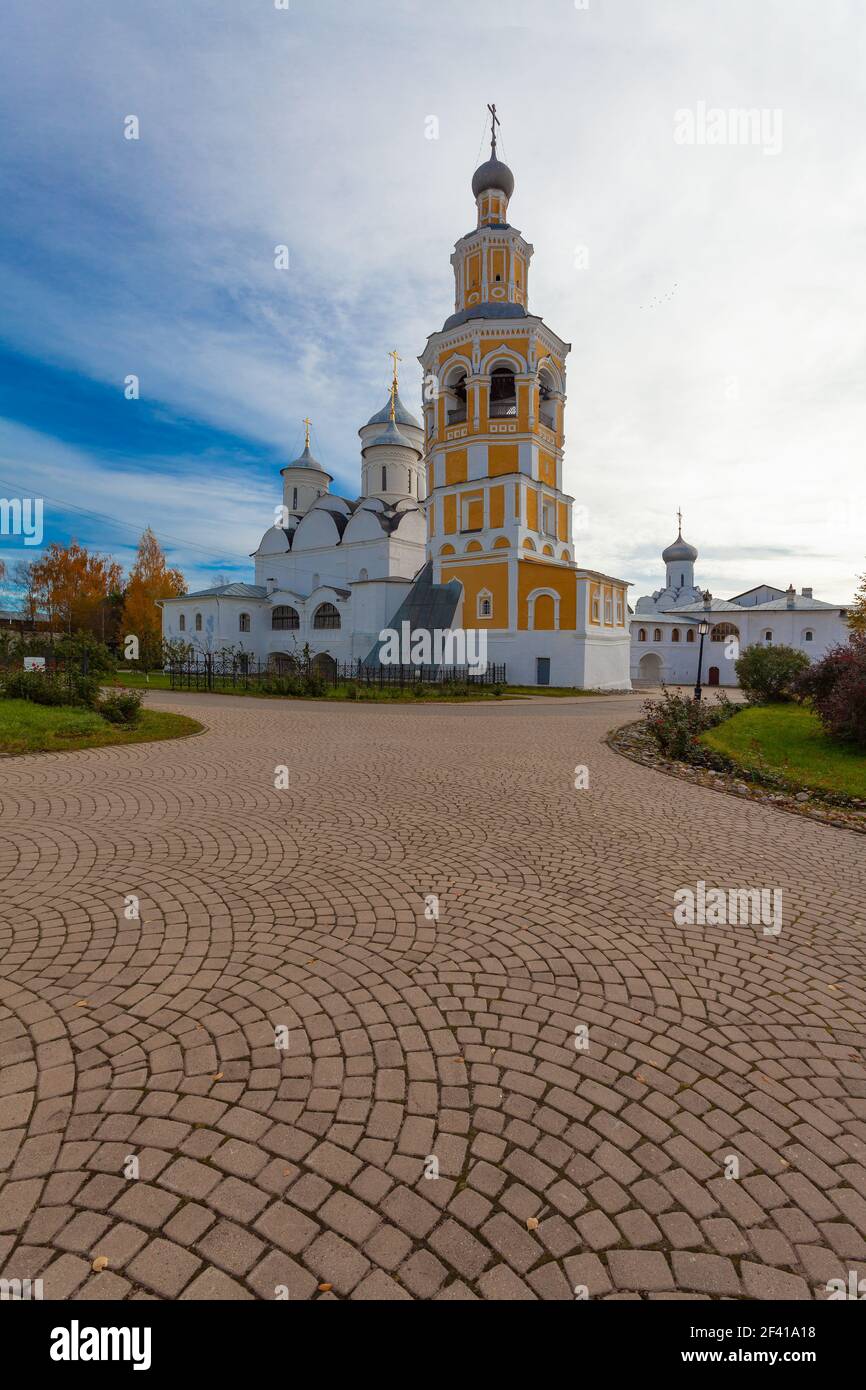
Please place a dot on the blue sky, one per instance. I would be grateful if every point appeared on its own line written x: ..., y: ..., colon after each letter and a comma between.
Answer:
x: 718, y: 329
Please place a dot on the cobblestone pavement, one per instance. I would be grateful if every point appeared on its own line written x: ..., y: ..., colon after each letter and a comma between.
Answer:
x: 266, y: 1172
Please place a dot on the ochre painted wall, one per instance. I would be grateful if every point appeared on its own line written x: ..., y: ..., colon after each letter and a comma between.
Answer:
x: 455, y: 466
x: 493, y: 576
x: 534, y: 574
x: 501, y: 458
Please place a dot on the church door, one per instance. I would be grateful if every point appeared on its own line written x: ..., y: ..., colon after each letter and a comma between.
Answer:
x: 714, y: 675
x: 542, y: 670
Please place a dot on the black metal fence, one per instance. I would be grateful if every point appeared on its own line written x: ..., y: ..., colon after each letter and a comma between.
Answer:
x: 213, y: 673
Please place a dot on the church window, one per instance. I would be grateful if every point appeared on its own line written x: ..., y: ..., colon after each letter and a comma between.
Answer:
x: 641, y: 634
x: 682, y: 581
x: 326, y: 616
x: 675, y: 635
x: 690, y: 635
x: 244, y: 622
x: 363, y: 574
x: 485, y: 604
x: 546, y: 401
x: 198, y: 622
x: 549, y: 517
x: 807, y: 635
x: 768, y: 637
x: 456, y: 398
x: 294, y: 499
x: 608, y: 610
x: 657, y: 634
x: 596, y: 609
x: 384, y: 479
x: 284, y: 618
x: 503, y: 393
x: 619, y: 607
x: 722, y: 631
x: 182, y: 622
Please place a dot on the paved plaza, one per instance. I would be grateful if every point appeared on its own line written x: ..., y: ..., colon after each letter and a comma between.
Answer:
x: 471, y: 966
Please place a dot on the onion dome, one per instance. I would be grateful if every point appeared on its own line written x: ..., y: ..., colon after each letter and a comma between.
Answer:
x: 401, y: 415
x: 680, y: 550
x: 391, y: 438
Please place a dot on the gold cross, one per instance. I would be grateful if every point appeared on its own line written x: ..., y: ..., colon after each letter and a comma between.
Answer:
x: 307, y: 424
x: 494, y: 122
x: 680, y: 521
x: 397, y: 358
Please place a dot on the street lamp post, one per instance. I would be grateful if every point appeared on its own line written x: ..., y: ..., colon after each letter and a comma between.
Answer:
x: 703, y: 629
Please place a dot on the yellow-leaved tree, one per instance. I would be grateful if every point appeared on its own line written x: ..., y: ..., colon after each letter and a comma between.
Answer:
x: 857, y: 611
x: 149, y: 579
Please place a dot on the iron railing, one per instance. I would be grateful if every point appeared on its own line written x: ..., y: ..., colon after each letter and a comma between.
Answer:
x: 213, y: 674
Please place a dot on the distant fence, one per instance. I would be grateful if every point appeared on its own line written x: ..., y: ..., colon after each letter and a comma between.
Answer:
x: 215, y: 674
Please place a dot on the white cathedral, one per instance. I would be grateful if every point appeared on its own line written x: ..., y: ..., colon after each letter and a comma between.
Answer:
x: 462, y: 522
x: 334, y: 571
x: 665, y: 640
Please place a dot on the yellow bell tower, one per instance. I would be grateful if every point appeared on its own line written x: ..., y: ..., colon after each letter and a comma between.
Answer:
x: 494, y: 393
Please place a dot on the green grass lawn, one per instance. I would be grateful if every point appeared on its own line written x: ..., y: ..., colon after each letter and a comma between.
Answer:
x: 29, y: 728
x: 789, y: 740
x: 135, y: 680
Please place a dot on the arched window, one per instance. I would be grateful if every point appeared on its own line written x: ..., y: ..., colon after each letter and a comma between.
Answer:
x: 244, y: 622
x: 808, y: 635
x: 690, y: 635
x: 284, y: 618
x: 384, y: 478
x: 768, y: 637
x: 721, y: 631
x: 363, y: 574
x: 455, y: 392
x: 503, y: 393
x: 198, y: 622
x: 181, y: 622
x: 641, y: 634
x: 485, y: 604
x: 294, y: 499
x: 326, y: 616
x: 546, y: 400
x: 657, y: 634
x: 675, y: 635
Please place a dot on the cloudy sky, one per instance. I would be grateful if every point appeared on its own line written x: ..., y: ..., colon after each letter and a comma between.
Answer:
x: 713, y: 293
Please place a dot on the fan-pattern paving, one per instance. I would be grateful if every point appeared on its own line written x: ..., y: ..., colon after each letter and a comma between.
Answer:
x: 414, y: 1035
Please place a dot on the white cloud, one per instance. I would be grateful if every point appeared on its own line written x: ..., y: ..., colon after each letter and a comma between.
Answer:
x: 738, y: 394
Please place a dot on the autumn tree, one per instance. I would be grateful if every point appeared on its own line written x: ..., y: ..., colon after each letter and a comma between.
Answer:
x: 857, y: 611
x: 78, y: 591
x: 149, y: 579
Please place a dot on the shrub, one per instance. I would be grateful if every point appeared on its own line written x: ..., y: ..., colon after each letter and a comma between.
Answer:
x: 83, y: 690
x: 836, y: 688
x: 83, y: 645
x: 124, y: 707
x: 51, y: 689
x: 769, y: 673
x: 677, y: 721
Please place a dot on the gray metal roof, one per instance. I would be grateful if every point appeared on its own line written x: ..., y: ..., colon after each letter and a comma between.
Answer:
x: 306, y: 460
x: 223, y: 591
x: 427, y: 605
x: 485, y: 311
x: 493, y: 174
x: 392, y: 437
x: 777, y: 605
x: 401, y: 414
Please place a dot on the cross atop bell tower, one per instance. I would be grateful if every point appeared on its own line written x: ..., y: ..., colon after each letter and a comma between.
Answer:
x: 494, y: 122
